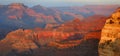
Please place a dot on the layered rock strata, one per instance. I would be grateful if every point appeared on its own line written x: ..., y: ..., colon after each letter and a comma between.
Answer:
x: 109, y: 44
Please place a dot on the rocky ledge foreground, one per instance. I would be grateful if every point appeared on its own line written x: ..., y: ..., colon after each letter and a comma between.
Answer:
x: 109, y: 44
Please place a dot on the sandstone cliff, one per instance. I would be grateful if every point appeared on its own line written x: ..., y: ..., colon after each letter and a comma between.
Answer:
x: 109, y: 44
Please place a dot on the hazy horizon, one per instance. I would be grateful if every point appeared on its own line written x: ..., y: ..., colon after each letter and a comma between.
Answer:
x: 62, y: 3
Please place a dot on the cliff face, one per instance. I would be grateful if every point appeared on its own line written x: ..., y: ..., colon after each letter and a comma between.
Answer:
x: 109, y: 44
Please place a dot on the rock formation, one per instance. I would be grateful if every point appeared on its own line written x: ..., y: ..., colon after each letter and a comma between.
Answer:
x: 109, y: 44
x: 66, y: 37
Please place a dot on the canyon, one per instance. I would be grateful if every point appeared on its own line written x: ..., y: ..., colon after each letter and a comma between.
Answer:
x: 18, y: 15
x: 71, y: 37
x: 59, y: 31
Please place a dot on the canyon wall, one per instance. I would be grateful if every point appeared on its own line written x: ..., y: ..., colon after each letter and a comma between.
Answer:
x: 109, y: 44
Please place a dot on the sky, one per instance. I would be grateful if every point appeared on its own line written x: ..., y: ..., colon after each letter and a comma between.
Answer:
x: 56, y: 3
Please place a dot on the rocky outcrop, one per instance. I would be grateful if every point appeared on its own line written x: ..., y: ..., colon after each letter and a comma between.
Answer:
x: 109, y: 44
x: 19, y: 41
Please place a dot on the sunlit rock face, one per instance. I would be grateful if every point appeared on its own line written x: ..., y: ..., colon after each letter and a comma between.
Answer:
x: 109, y: 44
x: 18, y: 41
